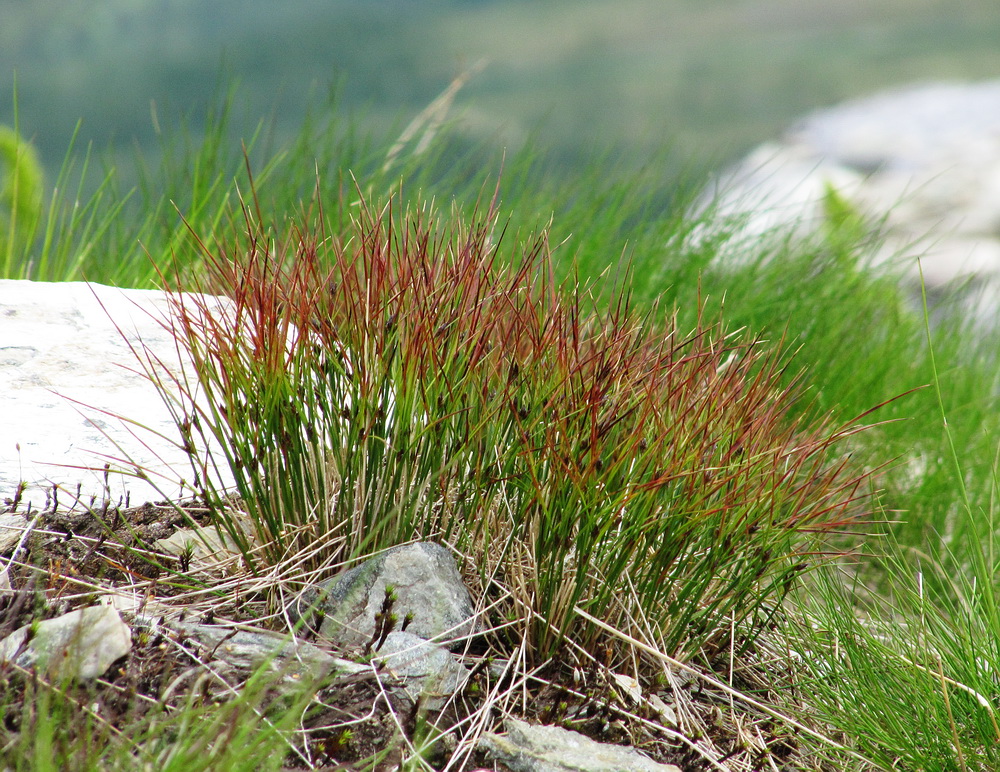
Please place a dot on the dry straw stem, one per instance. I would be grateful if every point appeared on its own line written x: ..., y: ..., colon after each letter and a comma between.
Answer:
x: 717, y: 684
x: 413, y: 376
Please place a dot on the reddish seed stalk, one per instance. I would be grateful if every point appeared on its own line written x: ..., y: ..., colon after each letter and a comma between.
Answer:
x: 624, y: 442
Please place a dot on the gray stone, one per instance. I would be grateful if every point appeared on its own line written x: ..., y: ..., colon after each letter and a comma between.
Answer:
x: 530, y: 748
x: 428, y: 671
x: 426, y: 584
x: 80, y: 644
x: 907, y: 128
x: 248, y: 650
x: 74, y: 396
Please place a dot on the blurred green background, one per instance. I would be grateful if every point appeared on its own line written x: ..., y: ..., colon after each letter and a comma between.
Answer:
x: 706, y: 79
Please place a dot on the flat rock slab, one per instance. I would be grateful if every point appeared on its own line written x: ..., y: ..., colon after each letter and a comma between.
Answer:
x: 530, y: 748
x: 74, y: 396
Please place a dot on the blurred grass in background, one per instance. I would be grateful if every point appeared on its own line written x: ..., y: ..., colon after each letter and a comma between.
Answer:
x: 708, y: 78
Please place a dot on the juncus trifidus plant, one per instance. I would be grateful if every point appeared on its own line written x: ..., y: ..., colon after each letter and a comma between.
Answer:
x: 414, y: 377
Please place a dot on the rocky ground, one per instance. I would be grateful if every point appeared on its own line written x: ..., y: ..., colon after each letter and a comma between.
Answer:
x: 197, y: 627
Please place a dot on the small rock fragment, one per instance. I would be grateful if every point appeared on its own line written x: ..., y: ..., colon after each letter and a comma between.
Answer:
x: 12, y: 528
x: 80, y: 644
x: 428, y: 671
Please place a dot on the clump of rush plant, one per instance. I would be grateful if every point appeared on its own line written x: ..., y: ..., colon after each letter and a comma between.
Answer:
x: 415, y: 376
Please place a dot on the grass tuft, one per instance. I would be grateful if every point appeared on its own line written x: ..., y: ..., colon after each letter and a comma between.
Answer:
x: 418, y: 377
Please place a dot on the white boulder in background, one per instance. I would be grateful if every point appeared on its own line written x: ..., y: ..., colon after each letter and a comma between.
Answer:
x: 926, y: 158
x: 74, y: 396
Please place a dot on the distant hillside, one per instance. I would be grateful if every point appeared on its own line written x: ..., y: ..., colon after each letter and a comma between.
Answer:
x: 709, y: 77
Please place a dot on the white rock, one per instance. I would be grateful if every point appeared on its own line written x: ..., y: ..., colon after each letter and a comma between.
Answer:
x: 925, y: 157
x: 907, y: 128
x: 774, y: 190
x: 81, y: 644
x: 73, y: 396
